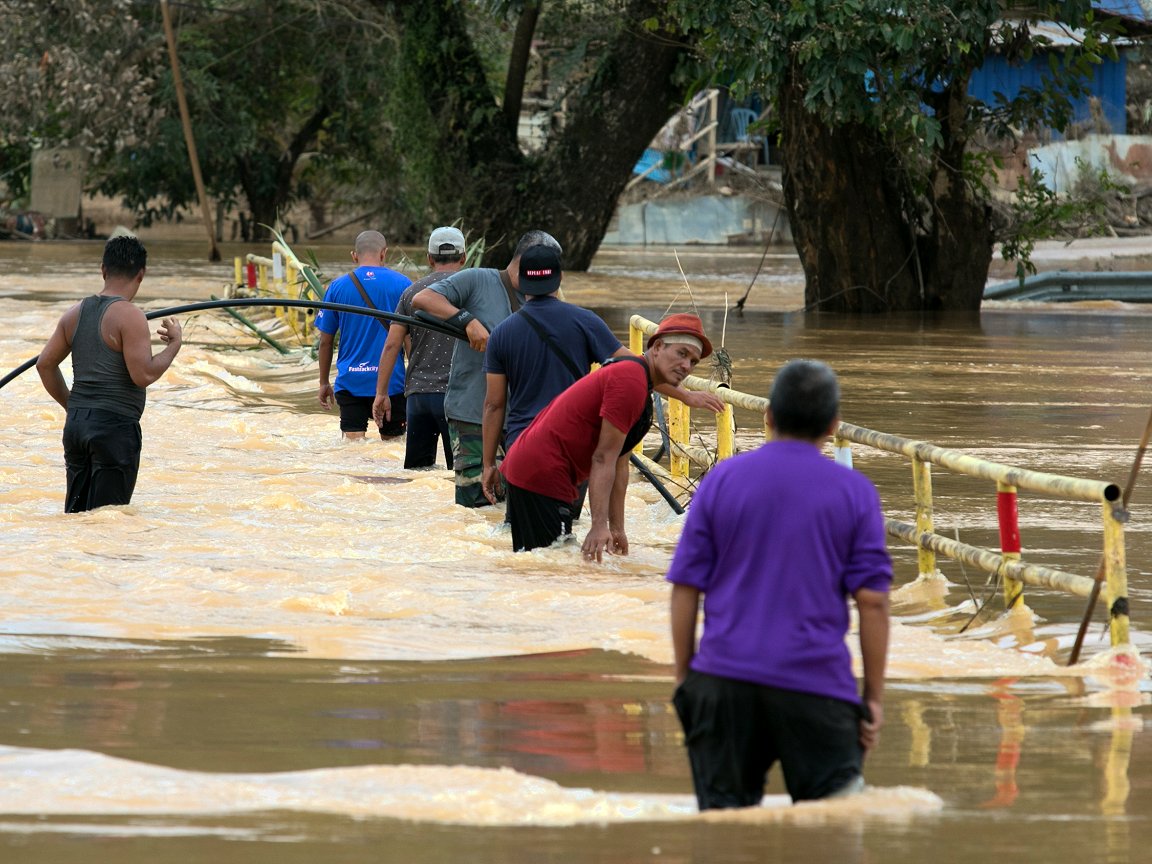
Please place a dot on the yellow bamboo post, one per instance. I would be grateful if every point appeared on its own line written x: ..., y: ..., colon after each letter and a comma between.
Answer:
x: 725, y: 432
x: 1008, y: 516
x: 299, y: 320
x: 1115, y: 573
x: 636, y: 346
x: 922, y: 493
x: 678, y: 415
x: 237, y: 274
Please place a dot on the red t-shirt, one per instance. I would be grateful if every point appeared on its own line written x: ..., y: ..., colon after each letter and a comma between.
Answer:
x: 553, y: 456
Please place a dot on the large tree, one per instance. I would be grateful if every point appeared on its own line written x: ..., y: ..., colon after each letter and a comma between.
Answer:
x: 457, y: 123
x: 268, y: 82
x: 885, y: 169
x: 417, y: 101
x: 75, y: 73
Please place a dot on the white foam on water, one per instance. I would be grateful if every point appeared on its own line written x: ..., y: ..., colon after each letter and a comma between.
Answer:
x: 80, y: 782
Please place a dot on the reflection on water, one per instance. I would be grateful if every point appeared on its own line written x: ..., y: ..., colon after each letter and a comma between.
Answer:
x: 282, y: 620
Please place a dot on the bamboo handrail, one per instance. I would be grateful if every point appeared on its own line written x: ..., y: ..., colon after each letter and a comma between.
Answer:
x: 1008, y: 478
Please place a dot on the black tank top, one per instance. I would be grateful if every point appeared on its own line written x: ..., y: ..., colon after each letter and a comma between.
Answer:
x: 100, y: 376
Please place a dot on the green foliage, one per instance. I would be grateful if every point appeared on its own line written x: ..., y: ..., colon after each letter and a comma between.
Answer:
x: 900, y: 72
x: 1039, y: 213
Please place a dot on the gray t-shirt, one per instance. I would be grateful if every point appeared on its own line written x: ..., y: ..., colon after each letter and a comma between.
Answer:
x: 431, y: 357
x: 480, y: 291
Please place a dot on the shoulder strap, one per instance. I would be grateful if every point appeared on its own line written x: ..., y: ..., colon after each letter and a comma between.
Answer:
x: 513, y: 299
x: 634, y: 359
x: 367, y: 300
x: 360, y: 287
x: 551, y: 343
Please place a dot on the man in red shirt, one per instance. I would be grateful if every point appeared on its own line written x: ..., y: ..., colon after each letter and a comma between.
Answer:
x: 586, y: 433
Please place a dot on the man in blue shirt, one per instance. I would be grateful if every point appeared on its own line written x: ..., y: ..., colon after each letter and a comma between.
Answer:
x: 371, y: 285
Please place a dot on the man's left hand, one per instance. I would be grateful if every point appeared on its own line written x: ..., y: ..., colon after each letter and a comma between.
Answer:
x: 703, y: 399
x: 602, y: 539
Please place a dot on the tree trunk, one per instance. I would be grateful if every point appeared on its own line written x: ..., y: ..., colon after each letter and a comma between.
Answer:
x: 958, y: 246
x: 518, y: 64
x: 614, y: 118
x: 866, y: 240
x: 569, y: 190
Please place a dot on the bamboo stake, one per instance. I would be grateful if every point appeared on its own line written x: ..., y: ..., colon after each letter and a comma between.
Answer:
x: 1099, y: 580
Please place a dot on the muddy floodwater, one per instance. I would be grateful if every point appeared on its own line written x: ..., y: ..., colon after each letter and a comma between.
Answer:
x: 289, y: 649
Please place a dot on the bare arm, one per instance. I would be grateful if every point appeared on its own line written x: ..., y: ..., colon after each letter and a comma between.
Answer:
x: 601, y: 483
x: 48, y: 363
x: 131, y: 329
x: 382, y: 405
x: 435, y: 303
x: 692, y: 398
x: 872, y: 607
x: 685, y: 606
x: 495, y: 404
x: 324, y: 358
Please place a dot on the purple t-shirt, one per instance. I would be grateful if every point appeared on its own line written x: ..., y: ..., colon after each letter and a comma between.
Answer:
x: 777, y: 540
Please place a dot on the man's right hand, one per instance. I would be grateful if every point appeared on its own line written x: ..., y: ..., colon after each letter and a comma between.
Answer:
x: 491, y: 483
x: 170, y: 333
x: 381, y: 409
x: 870, y: 724
x: 477, y: 334
x: 326, y: 396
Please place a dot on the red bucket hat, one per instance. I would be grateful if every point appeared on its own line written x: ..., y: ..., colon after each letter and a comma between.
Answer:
x: 688, y: 325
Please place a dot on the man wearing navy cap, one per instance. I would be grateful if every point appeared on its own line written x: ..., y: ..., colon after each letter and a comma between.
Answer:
x: 534, y: 355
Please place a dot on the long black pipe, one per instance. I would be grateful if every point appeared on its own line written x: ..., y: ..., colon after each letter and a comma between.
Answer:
x: 420, y: 320
x: 676, y: 506
x: 428, y: 323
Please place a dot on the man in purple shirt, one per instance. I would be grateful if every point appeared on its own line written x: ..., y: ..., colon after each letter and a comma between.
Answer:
x: 777, y: 540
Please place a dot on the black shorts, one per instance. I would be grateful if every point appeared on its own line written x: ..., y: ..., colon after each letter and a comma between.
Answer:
x: 536, y: 520
x: 735, y: 731
x: 356, y: 413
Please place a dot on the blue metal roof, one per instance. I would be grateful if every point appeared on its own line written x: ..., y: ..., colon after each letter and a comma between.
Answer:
x: 1140, y: 10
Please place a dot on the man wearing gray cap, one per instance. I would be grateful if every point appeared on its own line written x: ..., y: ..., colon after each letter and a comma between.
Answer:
x: 429, y: 361
x: 476, y: 299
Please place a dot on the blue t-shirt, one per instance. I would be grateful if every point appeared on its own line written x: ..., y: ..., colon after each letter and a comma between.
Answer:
x: 535, y: 374
x: 362, y: 336
x: 777, y: 540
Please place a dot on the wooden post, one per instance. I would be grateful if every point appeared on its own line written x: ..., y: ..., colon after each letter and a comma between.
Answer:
x: 712, y: 120
x: 185, y: 120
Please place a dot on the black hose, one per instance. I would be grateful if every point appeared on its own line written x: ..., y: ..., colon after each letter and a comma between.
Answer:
x: 676, y: 506
x: 422, y: 319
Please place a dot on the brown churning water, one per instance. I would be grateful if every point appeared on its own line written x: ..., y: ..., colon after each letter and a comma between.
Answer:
x: 286, y: 622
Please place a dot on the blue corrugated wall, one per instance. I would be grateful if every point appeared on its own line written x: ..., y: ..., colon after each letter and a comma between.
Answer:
x: 1108, y: 84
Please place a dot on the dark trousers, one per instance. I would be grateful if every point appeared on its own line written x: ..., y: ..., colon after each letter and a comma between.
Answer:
x: 735, y: 731
x: 536, y: 520
x: 101, y: 458
x: 427, y: 426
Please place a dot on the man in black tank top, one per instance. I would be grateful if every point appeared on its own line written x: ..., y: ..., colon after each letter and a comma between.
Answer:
x: 112, y: 364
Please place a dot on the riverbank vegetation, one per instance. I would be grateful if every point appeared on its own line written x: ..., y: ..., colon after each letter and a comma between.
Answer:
x: 412, y: 112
